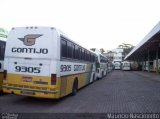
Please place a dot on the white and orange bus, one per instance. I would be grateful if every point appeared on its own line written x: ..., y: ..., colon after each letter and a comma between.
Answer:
x: 43, y: 62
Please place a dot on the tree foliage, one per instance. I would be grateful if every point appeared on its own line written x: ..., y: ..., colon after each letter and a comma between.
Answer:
x: 93, y: 49
x: 126, y: 48
x: 102, y: 50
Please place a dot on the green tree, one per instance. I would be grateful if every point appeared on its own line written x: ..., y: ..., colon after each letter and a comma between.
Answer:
x: 102, y: 50
x: 93, y: 49
x: 126, y: 48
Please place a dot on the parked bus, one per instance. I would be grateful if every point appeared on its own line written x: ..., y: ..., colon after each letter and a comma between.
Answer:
x: 126, y: 65
x: 43, y: 62
x: 117, y: 65
x: 135, y: 66
x: 102, y: 65
x: 3, y: 38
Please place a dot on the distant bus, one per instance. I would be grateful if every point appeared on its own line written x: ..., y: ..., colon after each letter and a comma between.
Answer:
x: 102, y: 65
x: 3, y: 38
x: 126, y: 65
x: 117, y: 65
x: 43, y: 62
x: 135, y: 66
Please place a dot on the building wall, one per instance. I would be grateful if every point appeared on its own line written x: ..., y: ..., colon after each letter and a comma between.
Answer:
x: 115, y: 55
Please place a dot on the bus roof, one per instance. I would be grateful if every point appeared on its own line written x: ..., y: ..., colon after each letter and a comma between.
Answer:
x: 21, y: 32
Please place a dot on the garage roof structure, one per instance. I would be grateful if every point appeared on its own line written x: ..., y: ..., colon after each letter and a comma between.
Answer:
x: 148, y: 48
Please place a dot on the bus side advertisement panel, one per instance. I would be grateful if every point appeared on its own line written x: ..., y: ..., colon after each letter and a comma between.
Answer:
x: 70, y: 71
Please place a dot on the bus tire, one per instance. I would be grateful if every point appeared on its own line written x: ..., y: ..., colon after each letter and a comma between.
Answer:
x: 75, y: 87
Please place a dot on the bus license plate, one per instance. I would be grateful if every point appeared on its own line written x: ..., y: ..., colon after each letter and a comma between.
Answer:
x: 26, y: 79
x: 27, y: 92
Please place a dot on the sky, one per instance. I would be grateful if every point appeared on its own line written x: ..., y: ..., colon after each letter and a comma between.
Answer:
x: 91, y: 23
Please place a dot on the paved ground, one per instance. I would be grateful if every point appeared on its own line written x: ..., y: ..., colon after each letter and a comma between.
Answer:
x: 120, y: 91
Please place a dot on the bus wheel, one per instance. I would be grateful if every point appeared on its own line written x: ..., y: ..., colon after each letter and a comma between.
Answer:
x: 74, y: 88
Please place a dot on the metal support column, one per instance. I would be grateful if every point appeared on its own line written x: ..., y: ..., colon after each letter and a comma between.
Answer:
x: 157, y: 60
x: 138, y: 61
x: 143, y: 63
x: 148, y: 61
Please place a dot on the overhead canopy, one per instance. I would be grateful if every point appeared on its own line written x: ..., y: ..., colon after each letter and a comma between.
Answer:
x: 149, y: 44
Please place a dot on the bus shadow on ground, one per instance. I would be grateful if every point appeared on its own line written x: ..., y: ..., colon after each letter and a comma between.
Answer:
x: 44, y: 101
x: 39, y: 101
x: 3, y: 94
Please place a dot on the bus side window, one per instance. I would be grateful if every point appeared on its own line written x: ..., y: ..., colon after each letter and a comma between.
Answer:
x: 69, y: 49
x: 63, y: 48
x: 77, y: 52
x: 89, y: 56
x: 93, y: 58
x: 85, y: 55
x: 73, y: 52
x: 2, y: 50
x: 82, y: 55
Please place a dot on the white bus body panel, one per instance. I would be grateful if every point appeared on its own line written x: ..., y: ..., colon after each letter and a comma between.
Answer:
x: 103, y: 69
x: 42, y: 53
x: 117, y: 65
x: 126, y: 68
x: 126, y: 65
x: 76, y: 68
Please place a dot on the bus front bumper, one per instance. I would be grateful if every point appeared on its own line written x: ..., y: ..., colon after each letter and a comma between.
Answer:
x: 30, y: 92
